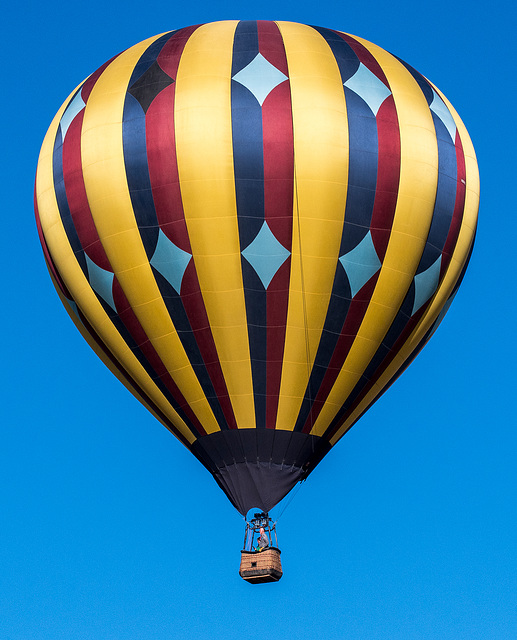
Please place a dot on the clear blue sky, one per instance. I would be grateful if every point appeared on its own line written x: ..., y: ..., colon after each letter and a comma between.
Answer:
x: 109, y: 530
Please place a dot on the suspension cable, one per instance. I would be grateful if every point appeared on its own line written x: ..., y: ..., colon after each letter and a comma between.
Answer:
x: 288, y: 502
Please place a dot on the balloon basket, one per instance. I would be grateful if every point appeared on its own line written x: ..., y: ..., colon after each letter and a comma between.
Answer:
x: 261, y: 566
x: 260, y: 561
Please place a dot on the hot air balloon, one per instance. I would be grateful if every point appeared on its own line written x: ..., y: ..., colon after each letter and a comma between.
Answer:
x: 257, y: 226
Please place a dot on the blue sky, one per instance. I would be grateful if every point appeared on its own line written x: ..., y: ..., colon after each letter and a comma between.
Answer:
x: 109, y: 529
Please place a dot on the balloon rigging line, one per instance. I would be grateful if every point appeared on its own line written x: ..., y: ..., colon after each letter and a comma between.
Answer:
x: 294, y: 493
x: 304, y: 299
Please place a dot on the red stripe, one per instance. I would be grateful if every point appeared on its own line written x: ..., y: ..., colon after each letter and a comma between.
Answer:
x: 76, y: 195
x: 388, y: 176
x: 163, y: 168
x: 278, y: 153
x: 161, y: 145
x: 271, y: 45
x: 194, y: 305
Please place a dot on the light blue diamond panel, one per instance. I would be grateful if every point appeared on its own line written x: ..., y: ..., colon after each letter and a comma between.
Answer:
x: 439, y: 107
x: 361, y: 263
x: 75, y: 107
x: 426, y: 284
x: 368, y: 87
x: 171, y: 261
x: 75, y: 309
x: 260, y: 77
x: 265, y: 254
x: 101, y: 282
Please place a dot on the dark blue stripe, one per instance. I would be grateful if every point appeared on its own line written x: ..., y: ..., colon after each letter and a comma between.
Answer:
x: 256, y: 311
x: 362, y: 171
x: 137, y: 173
x: 421, y: 81
x: 445, y: 196
x: 245, y: 45
x: 248, y: 159
x: 135, y: 152
x: 345, y: 56
x: 248, y: 154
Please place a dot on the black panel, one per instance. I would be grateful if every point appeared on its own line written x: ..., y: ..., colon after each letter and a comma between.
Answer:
x: 265, y: 444
x: 258, y: 467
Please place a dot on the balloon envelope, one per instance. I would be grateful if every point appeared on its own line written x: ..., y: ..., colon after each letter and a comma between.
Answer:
x: 257, y: 226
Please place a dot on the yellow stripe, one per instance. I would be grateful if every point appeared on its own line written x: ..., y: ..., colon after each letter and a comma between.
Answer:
x: 77, y: 284
x: 204, y: 148
x: 320, y: 129
x: 459, y: 256
x: 413, y: 214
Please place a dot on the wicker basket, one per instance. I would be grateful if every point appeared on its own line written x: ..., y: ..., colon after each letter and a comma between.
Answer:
x: 261, y: 566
